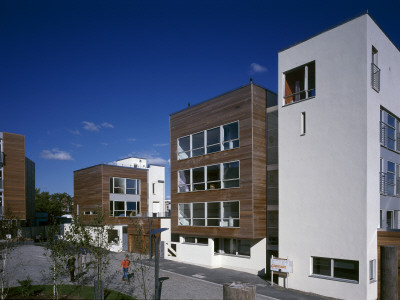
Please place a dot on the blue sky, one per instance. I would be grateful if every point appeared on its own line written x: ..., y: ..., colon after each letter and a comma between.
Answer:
x: 90, y: 82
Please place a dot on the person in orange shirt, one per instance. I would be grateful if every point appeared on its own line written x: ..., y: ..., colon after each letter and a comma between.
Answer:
x: 125, y: 267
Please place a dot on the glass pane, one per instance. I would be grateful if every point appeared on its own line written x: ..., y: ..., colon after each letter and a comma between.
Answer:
x: 390, y: 132
x: 198, y: 175
x: 184, y: 144
x: 231, y: 170
x: 111, y: 185
x: 213, y: 136
x: 390, y: 166
x: 131, y: 183
x: 231, y: 184
x: 184, y: 188
x: 214, y: 185
x: 119, y: 213
x: 198, y: 140
x: 199, y: 222
x: 184, y: 210
x: 213, y: 222
x: 213, y: 173
x: 184, y: 222
x: 190, y: 239
x: 198, y: 210
x: 199, y: 187
x: 213, y: 210
x: 130, y: 205
x: 215, y: 148
x: 184, y: 177
x: 346, y: 269
x: 231, y: 131
x: 202, y: 241
x: 111, y: 208
x: 229, y: 246
x: 322, y: 266
x: 119, y: 185
x: 131, y: 191
x: 391, y: 120
x: 216, y: 245
x: 231, y: 144
x: 198, y: 152
x: 119, y: 205
x: 183, y: 155
x: 244, y: 247
x: 231, y: 209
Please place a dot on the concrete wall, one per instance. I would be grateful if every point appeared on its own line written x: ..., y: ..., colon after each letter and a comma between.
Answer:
x: 328, y: 178
x: 156, y: 199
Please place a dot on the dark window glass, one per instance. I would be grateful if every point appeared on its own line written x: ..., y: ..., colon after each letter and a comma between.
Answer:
x: 322, y: 266
x: 213, y: 140
x: 198, y: 144
x: 119, y: 205
x: 198, y: 210
x: 202, y: 241
x: 190, y: 239
x: 184, y: 147
x: 130, y: 205
x: 231, y: 170
x: 199, y: 222
x: 216, y: 245
x: 345, y: 269
x: 231, y: 209
x: 112, y: 235
x: 213, y: 210
x: 213, y: 173
x: 244, y: 247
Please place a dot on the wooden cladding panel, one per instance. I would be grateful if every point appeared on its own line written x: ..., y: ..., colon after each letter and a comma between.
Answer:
x: 387, y: 238
x: 14, y: 174
x: 248, y: 106
x: 92, y: 189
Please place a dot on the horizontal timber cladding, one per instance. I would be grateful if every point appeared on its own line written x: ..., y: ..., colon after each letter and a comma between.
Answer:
x: 388, y: 238
x: 92, y: 189
x: 14, y: 175
x: 248, y: 106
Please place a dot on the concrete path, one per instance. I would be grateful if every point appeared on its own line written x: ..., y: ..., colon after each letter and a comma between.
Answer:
x: 185, y: 281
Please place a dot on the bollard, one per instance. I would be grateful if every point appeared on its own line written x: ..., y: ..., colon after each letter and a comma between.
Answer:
x: 239, y: 291
x: 389, y: 273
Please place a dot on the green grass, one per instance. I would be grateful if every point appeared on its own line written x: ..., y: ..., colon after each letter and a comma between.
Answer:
x: 64, y: 292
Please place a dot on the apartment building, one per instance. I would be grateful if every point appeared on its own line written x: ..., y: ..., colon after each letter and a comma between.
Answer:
x: 218, y: 180
x: 127, y: 191
x: 339, y: 155
x: 17, y: 179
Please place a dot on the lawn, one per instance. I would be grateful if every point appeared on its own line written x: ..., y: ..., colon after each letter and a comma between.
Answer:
x: 64, y: 292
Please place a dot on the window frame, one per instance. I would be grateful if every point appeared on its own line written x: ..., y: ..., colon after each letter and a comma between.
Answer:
x: 196, y: 240
x: 222, y: 182
x: 332, y: 269
x: 190, y: 152
x: 125, y: 188
x: 233, y: 247
x: 112, y: 209
x: 222, y: 220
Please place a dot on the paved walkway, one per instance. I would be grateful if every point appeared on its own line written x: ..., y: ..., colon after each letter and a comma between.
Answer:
x: 185, y: 281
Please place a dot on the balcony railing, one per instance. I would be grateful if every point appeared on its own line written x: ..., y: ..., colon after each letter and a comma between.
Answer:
x: 391, y: 141
x: 375, y: 77
x: 299, y: 96
x: 388, y: 185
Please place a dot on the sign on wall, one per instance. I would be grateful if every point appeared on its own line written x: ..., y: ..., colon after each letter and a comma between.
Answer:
x: 281, y: 265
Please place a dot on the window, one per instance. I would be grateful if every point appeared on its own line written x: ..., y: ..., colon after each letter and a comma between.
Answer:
x: 124, y: 186
x: 375, y: 71
x: 211, y: 214
x: 209, y: 177
x: 388, y: 132
x: 380, y: 219
x: 212, y: 140
x: 303, y: 123
x: 299, y: 83
x: 195, y: 240
x: 184, y: 214
x: 396, y: 223
x: 390, y: 178
x: 112, y: 235
x: 372, y: 270
x: 124, y: 208
x: 389, y: 219
x: 232, y: 246
x: 341, y: 269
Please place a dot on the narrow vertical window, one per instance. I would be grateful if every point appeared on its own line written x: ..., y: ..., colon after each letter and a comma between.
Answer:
x: 375, y: 71
x: 372, y: 270
x: 389, y: 219
x: 303, y: 123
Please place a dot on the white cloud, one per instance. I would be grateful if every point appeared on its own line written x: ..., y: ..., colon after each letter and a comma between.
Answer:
x: 160, y: 145
x: 257, y: 68
x: 56, y: 154
x: 90, y: 126
x: 152, y: 158
x: 76, y: 131
x: 107, y: 125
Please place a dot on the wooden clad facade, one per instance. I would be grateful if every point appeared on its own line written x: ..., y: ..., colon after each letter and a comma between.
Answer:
x: 388, y: 238
x: 92, y: 189
x: 14, y: 175
x: 248, y: 106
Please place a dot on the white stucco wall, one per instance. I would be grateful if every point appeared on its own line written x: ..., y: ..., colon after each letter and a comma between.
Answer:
x: 328, y: 178
x: 156, y: 199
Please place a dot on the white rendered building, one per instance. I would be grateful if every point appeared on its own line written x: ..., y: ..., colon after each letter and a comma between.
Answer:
x: 336, y: 90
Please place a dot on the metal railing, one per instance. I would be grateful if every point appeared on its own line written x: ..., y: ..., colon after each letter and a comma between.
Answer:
x: 386, y: 140
x: 388, y: 186
x: 375, y: 77
x: 302, y: 95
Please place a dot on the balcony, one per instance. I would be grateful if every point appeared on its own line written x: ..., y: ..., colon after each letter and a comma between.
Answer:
x: 388, y: 185
x: 299, y: 84
x: 375, y: 77
x: 388, y: 137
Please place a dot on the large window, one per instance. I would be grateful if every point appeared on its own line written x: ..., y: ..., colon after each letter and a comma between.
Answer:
x: 232, y: 246
x: 124, y: 186
x: 331, y: 268
x: 299, y: 83
x: 389, y: 178
x: 210, y: 214
x: 124, y: 208
x: 212, y: 140
x: 389, y: 131
x: 224, y: 175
